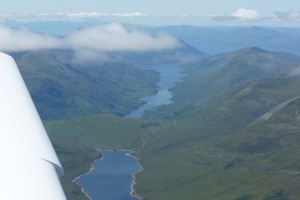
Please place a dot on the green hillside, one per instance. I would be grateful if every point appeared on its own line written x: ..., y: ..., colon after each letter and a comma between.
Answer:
x: 76, y: 140
x: 61, y: 88
x: 209, y: 143
x: 232, y: 133
x: 225, y: 155
x: 192, y: 160
x: 211, y: 81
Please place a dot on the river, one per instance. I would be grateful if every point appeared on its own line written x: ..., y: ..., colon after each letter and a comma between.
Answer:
x: 111, y: 178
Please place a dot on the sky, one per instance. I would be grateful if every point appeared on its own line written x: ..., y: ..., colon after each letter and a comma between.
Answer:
x: 114, y: 35
x: 160, y: 12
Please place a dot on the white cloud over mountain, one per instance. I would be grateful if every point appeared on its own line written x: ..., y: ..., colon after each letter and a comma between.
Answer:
x: 247, y: 15
x: 114, y: 37
x: 241, y: 15
x: 23, y: 39
x: 291, y: 15
x: 110, y: 37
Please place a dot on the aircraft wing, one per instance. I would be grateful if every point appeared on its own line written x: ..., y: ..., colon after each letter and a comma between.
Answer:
x: 29, y: 168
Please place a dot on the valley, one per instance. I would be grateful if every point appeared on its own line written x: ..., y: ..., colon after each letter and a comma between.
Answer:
x: 231, y: 131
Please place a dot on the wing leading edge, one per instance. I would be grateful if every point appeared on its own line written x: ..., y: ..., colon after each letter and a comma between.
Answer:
x: 29, y: 166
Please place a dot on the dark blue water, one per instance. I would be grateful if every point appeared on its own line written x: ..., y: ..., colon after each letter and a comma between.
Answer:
x: 111, y: 178
x: 170, y: 74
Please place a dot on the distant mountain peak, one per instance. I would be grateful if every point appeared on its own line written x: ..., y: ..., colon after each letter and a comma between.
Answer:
x: 253, y: 50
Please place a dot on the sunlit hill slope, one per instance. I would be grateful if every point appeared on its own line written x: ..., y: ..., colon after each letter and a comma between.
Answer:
x: 231, y: 133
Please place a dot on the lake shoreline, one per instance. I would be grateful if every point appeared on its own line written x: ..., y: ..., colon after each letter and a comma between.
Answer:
x: 132, y: 192
x: 78, y: 177
x: 134, y: 183
x: 167, y: 81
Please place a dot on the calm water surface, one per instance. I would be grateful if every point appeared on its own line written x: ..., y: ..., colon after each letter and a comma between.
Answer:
x: 169, y: 75
x: 111, y: 178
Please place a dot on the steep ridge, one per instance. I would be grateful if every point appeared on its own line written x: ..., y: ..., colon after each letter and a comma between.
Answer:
x: 61, y: 88
x: 220, y: 146
x: 65, y: 83
x: 231, y: 133
x: 217, y: 78
x: 214, y: 40
x: 270, y: 148
x: 281, y: 124
x: 212, y: 142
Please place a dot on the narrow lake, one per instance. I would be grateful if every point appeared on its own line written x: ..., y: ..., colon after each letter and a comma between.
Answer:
x: 111, y: 177
x: 169, y: 75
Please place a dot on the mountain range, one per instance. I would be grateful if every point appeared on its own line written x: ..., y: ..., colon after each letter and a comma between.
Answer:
x: 215, y: 40
x: 231, y: 132
x: 209, y: 39
x: 61, y: 89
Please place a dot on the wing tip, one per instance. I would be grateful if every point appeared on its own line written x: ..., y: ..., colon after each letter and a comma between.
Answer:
x: 5, y: 58
x: 58, y: 168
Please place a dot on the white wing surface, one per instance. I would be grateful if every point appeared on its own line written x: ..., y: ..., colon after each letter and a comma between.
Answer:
x: 29, y: 168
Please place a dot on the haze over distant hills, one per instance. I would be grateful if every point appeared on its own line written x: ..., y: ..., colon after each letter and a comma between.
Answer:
x: 253, y: 78
x: 231, y: 132
x: 211, y: 40
x: 232, y: 128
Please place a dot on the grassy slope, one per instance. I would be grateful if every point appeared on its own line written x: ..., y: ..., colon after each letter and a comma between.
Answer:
x: 101, y: 131
x: 208, y: 164
x: 191, y: 159
x: 62, y: 89
x: 185, y: 159
x: 75, y: 141
x: 215, y: 148
x: 76, y: 159
x: 216, y: 120
x: 270, y: 148
x: 212, y: 81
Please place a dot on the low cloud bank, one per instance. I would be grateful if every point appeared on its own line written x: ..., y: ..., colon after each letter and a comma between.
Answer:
x: 22, y: 39
x: 241, y: 15
x: 114, y: 37
x: 288, y: 16
x: 105, y: 38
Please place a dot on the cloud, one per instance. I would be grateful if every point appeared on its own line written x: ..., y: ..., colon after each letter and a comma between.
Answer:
x: 68, y: 16
x: 240, y: 15
x: 23, y: 39
x: 86, y: 57
x: 96, y: 15
x: 115, y: 37
x: 292, y: 15
x: 105, y: 38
